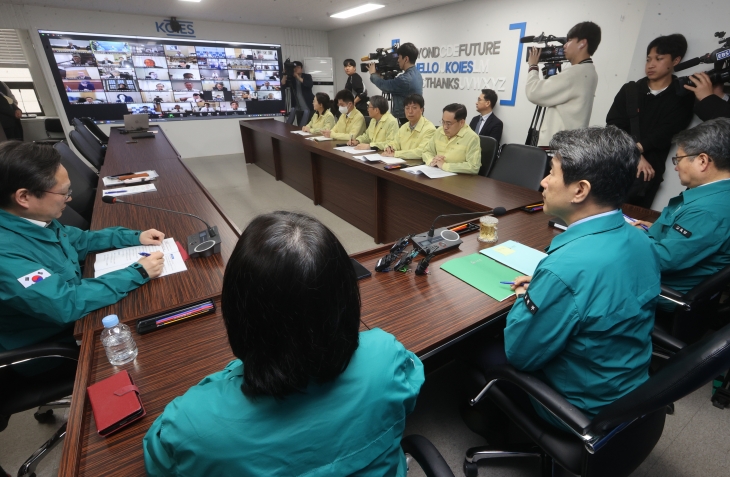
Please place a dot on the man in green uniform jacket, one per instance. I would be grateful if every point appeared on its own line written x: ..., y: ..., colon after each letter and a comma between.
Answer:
x: 692, y: 235
x: 583, y: 321
x: 383, y: 126
x: 413, y: 136
x: 41, y: 288
x: 454, y: 147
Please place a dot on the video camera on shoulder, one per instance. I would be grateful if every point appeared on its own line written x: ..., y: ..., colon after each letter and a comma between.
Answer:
x: 553, y: 57
x: 721, y: 59
x: 387, y: 62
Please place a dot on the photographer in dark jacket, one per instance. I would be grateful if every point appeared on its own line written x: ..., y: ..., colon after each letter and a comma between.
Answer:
x: 301, y: 94
x: 652, y: 112
x: 355, y: 86
x: 712, y: 102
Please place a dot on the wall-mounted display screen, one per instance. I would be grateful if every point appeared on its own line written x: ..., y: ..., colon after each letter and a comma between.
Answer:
x: 104, y: 77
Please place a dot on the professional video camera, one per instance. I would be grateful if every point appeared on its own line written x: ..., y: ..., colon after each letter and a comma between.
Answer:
x: 288, y: 68
x: 387, y: 64
x: 720, y: 57
x: 552, y: 56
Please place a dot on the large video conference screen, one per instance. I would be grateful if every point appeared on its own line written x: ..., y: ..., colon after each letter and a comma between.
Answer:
x: 104, y: 77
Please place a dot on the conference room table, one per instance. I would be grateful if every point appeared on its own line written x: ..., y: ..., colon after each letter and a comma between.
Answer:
x: 426, y: 313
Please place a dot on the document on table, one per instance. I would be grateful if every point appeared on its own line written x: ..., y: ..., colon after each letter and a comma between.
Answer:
x: 114, y: 180
x: 130, y: 190
x: 122, y: 258
x: 482, y: 273
x: 385, y: 159
x: 429, y: 171
x: 522, y: 258
x: 301, y: 133
x: 319, y: 138
x: 352, y: 150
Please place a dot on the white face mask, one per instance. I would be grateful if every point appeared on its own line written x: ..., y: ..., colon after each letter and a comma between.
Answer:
x: 343, y: 109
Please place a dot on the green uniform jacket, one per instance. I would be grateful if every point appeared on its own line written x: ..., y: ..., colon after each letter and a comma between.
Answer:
x: 348, y: 127
x: 380, y: 133
x: 463, y: 152
x: 692, y: 236
x: 350, y: 426
x: 321, y: 121
x: 47, y: 307
x: 410, y: 143
x: 585, y: 323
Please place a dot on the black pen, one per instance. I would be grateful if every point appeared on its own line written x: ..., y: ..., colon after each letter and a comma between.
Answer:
x: 124, y: 174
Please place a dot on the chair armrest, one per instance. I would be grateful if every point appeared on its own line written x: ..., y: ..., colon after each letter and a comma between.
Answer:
x: 546, y: 396
x: 666, y: 341
x: 40, y: 350
x: 427, y: 456
x: 674, y: 296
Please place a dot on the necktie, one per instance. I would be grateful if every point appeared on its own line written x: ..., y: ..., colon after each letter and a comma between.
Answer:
x: 479, y: 126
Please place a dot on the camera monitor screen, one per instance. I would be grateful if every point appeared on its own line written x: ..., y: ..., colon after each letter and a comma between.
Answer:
x: 104, y: 77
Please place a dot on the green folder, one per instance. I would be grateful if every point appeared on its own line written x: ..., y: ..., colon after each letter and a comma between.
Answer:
x: 483, y: 273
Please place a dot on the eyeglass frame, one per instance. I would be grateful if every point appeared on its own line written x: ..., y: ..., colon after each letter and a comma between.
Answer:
x: 448, y: 124
x: 67, y: 195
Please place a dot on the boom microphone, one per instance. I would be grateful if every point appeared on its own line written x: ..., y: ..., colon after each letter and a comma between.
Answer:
x: 204, y: 243
x: 527, y: 39
x: 688, y: 64
x: 444, y: 242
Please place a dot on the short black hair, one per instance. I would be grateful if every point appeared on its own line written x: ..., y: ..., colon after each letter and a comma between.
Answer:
x: 588, y: 31
x: 297, y: 63
x: 345, y: 96
x: 409, y: 50
x: 349, y: 62
x: 711, y: 137
x: 377, y: 101
x: 324, y: 100
x: 26, y: 165
x: 674, y: 45
x: 605, y: 157
x: 491, y: 96
x: 291, y: 304
x: 234, y: 102
x: 414, y: 98
x: 459, y: 110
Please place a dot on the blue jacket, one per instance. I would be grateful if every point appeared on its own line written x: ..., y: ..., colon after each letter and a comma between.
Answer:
x: 410, y: 82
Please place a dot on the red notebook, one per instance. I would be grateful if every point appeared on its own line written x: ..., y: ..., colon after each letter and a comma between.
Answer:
x: 115, y: 402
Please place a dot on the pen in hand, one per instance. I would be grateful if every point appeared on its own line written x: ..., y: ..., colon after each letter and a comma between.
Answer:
x: 144, y: 254
x: 507, y: 283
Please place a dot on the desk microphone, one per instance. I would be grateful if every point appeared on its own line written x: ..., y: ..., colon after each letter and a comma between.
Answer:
x: 203, y: 244
x: 446, y: 240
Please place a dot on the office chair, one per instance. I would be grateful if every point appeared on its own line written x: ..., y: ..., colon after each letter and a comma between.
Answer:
x: 623, y: 433
x: 83, y: 181
x: 520, y: 165
x: 79, y: 125
x: 92, y: 152
x: 19, y: 393
x: 95, y: 130
x: 3, y: 137
x: 367, y: 121
x: 54, y: 131
x: 489, y: 153
x: 427, y: 456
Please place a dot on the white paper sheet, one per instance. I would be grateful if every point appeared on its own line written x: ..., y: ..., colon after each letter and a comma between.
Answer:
x: 122, y: 258
x: 301, y: 133
x: 352, y: 150
x: 319, y: 138
x: 385, y: 159
x: 428, y: 171
x: 130, y: 190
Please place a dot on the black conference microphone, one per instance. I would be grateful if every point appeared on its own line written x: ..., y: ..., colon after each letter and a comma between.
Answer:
x: 201, y: 244
x: 445, y: 239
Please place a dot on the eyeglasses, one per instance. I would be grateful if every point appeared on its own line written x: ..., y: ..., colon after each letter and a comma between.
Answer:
x: 448, y: 124
x: 66, y: 195
x: 676, y: 159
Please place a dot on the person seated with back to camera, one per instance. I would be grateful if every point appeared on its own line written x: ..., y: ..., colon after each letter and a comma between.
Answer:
x: 454, y: 147
x: 413, y: 136
x: 308, y: 394
x: 582, y: 323
x: 322, y: 117
x: 351, y: 123
x: 383, y: 126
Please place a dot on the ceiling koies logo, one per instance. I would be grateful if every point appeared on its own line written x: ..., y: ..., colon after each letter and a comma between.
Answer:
x: 176, y: 28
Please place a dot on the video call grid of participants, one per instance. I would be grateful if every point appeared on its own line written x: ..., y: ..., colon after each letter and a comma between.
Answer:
x: 154, y: 78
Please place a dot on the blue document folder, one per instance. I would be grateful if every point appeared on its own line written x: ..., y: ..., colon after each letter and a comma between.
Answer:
x: 519, y: 257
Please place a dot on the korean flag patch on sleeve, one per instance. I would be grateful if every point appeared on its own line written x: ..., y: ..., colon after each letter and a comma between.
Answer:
x: 33, y: 278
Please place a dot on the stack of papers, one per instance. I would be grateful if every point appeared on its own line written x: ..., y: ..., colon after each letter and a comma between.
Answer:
x: 429, y: 171
x: 515, y: 255
x: 131, y: 190
x: 319, y: 138
x: 301, y: 133
x: 352, y: 150
x: 385, y: 159
x: 114, y: 180
x: 119, y: 259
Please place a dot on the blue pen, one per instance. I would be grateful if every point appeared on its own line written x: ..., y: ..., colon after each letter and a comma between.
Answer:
x: 634, y: 220
x: 507, y: 283
x: 144, y: 254
x: 115, y: 192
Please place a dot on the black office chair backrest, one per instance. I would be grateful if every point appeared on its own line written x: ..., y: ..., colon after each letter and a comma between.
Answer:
x: 91, y: 151
x: 689, y: 325
x: 367, y: 121
x: 88, y: 135
x: 3, y: 137
x: 520, y: 165
x: 94, y: 129
x: 685, y: 372
x: 53, y: 125
x: 489, y: 153
x: 83, y: 181
x: 72, y: 218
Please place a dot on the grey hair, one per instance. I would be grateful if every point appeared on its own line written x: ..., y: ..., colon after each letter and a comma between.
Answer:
x: 605, y: 157
x: 379, y: 102
x: 711, y: 137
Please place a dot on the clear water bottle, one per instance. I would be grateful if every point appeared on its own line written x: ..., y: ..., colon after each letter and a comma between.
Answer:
x: 117, y: 340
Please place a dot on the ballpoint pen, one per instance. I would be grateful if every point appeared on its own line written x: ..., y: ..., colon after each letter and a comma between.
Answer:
x: 507, y: 283
x: 115, y: 191
x: 144, y: 254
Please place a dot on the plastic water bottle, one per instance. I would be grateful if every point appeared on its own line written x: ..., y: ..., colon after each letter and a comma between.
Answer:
x: 117, y: 340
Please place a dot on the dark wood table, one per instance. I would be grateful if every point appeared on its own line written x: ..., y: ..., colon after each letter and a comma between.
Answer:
x: 384, y: 204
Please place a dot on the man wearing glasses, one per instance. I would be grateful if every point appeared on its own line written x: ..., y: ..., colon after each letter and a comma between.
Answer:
x: 692, y: 235
x: 41, y: 288
x: 454, y: 147
x: 383, y: 127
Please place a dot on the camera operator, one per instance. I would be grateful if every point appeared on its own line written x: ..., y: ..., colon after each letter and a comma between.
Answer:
x: 403, y: 85
x: 568, y: 96
x: 301, y: 94
x: 659, y: 111
x: 712, y: 102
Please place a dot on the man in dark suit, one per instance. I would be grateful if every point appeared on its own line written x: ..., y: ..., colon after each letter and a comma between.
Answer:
x: 486, y: 123
x: 301, y: 94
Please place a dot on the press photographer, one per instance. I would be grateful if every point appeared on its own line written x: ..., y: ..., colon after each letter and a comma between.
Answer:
x: 403, y: 85
x: 568, y: 96
x: 708, y: 87
x: 301, y: 94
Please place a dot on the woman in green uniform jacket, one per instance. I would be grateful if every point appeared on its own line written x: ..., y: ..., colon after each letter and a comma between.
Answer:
x: 308, y: 394
x: 323, y: 117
